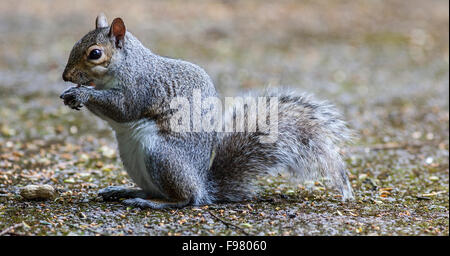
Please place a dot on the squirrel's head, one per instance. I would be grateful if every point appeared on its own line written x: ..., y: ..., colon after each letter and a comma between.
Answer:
x: 91, y: 56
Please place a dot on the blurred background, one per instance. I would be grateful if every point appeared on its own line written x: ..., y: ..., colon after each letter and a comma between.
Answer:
x: 385, y: 64
x: 388, y: 54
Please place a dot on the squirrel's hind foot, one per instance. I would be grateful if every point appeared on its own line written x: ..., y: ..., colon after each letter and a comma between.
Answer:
x: 115, y: 193
x: 152, y: 204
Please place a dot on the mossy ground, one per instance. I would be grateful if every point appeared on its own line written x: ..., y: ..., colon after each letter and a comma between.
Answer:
x: 384, y: 64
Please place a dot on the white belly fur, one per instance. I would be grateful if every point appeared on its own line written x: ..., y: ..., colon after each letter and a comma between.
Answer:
x: 133, y: 138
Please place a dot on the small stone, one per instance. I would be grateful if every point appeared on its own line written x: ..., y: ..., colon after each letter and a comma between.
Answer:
x: 8, y: 132
x: 108, y: 152
x: 433, y: 178
x: 42, y: 192
x: 82, y: 216
x: 99, y: 164
x: 290, y: 192
x: 84, y: 158
x: 362, y: 176
x: 73, y: 129
x: 69, y: 180
x: 84, y: 174
x: 416, y: 135
x: 107, y: 168
x: 246, y: 225
x: 377, y: 201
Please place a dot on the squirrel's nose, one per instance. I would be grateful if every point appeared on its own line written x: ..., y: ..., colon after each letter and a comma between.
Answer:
x: 65, y: 77
x: 67, y: 74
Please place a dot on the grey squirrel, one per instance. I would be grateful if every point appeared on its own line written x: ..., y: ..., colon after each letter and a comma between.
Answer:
x: 124, y: 83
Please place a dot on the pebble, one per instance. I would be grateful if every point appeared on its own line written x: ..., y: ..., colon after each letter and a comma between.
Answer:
x: 433, y: 178
x: 42, y: 192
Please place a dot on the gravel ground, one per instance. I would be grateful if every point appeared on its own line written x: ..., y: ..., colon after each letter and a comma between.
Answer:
x: 385, y: 64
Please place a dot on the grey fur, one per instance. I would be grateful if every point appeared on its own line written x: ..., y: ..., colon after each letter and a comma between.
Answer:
x: 137, y: 88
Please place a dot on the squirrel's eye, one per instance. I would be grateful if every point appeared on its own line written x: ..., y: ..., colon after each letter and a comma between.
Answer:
x: 95, y: 54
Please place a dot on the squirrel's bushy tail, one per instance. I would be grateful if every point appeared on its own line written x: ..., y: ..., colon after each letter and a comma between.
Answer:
x: 307, y: 145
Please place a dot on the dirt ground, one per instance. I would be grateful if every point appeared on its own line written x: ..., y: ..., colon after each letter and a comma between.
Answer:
x: 385, y: 64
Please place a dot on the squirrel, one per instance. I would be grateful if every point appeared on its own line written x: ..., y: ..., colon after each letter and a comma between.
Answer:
x: 121, y: 81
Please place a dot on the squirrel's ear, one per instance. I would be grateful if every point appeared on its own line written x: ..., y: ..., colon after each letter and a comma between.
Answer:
x: 118, y: 31
x: 101, y: 21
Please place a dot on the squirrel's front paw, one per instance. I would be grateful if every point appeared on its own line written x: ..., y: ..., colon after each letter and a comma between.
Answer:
x: 74, y: 97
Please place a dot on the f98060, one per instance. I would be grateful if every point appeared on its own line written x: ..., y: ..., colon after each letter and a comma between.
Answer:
x: 246, y: 245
